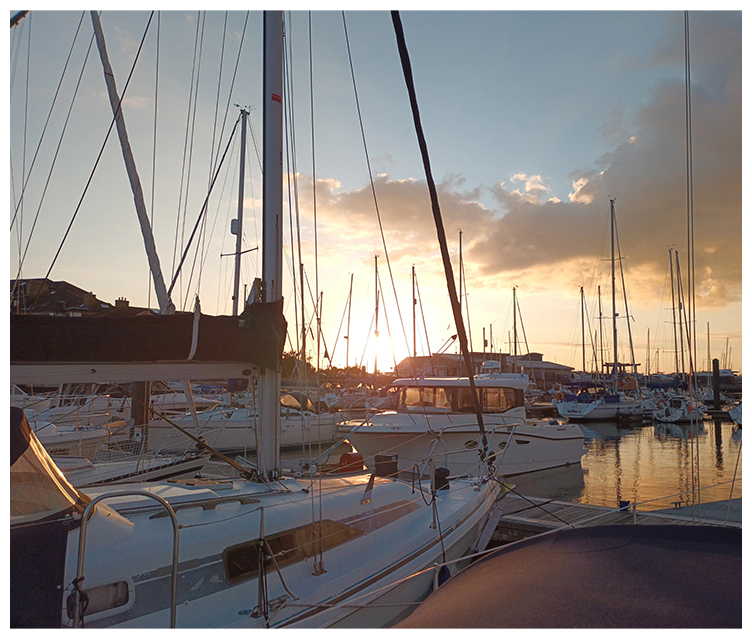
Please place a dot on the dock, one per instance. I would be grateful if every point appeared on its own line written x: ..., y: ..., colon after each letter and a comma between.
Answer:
x: 527, y: 516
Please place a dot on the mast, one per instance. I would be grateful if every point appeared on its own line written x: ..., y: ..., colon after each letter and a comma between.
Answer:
x: 415, y: 334
x: 582, y: 313
x: 270, y: 381
x: 349, y: 308
x: 376, y: 330
x: 673, y: 312
x: 459, y: 270
x: 615, y: 368
x: 514, y: 325
x: 680, y: 297
x: 238, y: 227
x: 710, y: 364
x: 166, y: 307
x: 600, y: 326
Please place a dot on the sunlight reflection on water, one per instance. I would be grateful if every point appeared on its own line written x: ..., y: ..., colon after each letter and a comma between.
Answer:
x: 645, y: 463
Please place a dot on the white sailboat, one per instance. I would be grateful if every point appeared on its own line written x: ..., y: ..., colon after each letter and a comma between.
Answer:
x: 268, y: 551
x: 614, y: 405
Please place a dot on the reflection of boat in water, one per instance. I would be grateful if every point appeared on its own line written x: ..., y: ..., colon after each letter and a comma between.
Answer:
x: 679, y: 430
x: 607, y: 430
x: 564, y: 482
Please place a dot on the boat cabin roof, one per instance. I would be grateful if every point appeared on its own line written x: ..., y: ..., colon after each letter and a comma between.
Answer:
x: 497, y: 380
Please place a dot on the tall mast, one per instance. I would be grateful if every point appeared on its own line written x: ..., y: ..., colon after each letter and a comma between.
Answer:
x: 710, y: 364
x: 459, y: 269
x: 600, y: 325
x: 270, y: 382
x: 680, y: 297
x: 239, y: 223
x: 673, y: 312
x: 514, y: 325
x: 349, y: 308
x: 166, y: 307
x: 415, y: 334
x: 613, y: 297
x: 376, y: 331
x: 582, y: 314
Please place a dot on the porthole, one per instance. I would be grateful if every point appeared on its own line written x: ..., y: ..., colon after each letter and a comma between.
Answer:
x: 471, y: 444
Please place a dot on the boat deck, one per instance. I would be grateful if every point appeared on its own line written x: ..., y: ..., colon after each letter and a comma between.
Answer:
x: 526, y: 516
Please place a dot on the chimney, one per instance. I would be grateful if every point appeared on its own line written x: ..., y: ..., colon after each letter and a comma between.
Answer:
x: 121, y: 302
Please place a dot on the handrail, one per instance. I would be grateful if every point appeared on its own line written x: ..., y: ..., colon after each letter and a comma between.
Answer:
x: 82, y: 543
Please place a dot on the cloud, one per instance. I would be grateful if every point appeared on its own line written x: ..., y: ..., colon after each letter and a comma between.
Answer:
x: 532, y: 182
x: 558, y: 243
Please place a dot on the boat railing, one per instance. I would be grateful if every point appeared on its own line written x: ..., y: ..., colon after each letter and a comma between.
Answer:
x: 82, y: 550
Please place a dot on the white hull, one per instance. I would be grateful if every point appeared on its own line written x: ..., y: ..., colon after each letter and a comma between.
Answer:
x: 62, y: 440
x: 533, y: 447
x: 82, y: 473
x: 598, y: 410
x: 394, y: 539
x: 234, y: 431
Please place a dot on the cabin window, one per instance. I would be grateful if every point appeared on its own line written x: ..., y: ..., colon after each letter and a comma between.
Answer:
x: 414, y: 398
x: 241, y: 562
x: 493, y: 400
x: 106, y: 597
x: 103, y: 601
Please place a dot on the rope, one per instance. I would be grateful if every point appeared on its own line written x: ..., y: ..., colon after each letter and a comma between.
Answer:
x: 456, y: 308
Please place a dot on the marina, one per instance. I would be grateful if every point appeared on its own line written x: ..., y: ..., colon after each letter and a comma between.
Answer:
x: 220, y: 448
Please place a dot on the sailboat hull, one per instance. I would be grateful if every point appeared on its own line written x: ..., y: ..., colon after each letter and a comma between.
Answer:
x: 349, y: 585
x: 454, y: 442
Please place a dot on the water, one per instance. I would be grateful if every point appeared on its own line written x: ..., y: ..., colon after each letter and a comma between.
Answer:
x: 647, y: 464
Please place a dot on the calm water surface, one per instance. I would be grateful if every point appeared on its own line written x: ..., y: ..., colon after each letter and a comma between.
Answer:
x: 647, y: 464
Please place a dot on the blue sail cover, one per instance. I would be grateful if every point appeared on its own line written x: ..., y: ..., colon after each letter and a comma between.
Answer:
x: 667, y: 576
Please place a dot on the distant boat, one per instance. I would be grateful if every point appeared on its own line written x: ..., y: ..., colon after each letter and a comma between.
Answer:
x: 677, y: 409
x: 735, y: 413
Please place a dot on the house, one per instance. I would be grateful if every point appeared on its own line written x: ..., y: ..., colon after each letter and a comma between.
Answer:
x: 41, y: 296
x: 543, y: 373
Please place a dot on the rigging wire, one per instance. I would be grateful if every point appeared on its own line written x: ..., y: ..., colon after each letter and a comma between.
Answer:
x: 203, y: 210
x: 292, y: 190
x: 154, y: 145
x: 422, y: 315
x: 19, y: 228
x: 49, y: 115
x: 373, y: 187
x: 690, y: 197
x: 232, y: 86
x: 99, y: 157
x: 54, y: 161
x: 190, y: 163
x: 185, y: 147
x: 313, y: 180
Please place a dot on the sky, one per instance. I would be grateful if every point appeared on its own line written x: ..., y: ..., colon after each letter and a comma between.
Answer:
x: 534, y: 120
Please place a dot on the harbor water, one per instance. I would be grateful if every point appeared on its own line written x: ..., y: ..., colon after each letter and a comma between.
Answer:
x: 651, y: 465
